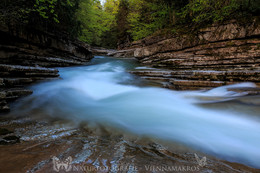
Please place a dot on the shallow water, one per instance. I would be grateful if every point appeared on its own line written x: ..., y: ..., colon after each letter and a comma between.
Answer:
x: 219, y: 122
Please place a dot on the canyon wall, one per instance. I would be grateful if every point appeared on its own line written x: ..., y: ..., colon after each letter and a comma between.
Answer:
x: 27, y: 56
x: 214, y: 56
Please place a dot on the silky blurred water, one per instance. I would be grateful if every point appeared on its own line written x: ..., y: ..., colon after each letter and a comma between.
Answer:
x: 104, y: 93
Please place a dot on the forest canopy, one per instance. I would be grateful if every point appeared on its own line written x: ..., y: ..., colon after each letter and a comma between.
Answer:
x: 115, y: 23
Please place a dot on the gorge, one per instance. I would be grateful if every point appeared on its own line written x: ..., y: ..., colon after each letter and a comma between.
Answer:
x: 129, y: 86
x: 102, y: 116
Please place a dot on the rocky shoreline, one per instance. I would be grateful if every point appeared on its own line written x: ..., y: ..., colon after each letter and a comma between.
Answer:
x: 30, y: 56
x: 214, y: 56
x: 95, y: 148
x: 31, y: 142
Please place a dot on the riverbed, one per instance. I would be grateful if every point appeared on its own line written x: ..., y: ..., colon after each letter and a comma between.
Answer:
x: 100, y: 117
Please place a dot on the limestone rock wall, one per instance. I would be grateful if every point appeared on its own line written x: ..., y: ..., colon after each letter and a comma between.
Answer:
x: 29, y: 56
x: 215, y: 56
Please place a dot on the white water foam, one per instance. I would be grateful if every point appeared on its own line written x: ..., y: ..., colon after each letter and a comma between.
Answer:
x: 94, y: 94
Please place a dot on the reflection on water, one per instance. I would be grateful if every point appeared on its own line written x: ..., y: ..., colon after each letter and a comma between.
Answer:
x: 104, y: 94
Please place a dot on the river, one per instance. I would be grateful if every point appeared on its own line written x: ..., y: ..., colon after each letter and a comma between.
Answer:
x: 221, y: 123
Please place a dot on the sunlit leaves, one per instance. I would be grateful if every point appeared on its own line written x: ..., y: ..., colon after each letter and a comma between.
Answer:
x: 46, y: 8
x: 97, y: 20
x: 208, y: 11
x: 146, y: 17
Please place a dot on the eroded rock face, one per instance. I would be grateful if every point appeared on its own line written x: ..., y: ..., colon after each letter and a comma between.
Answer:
x: 26, y: 57
x: 37, y: 48
x: 88, y: 147
x: 13, y: 78
x: 220, y: 54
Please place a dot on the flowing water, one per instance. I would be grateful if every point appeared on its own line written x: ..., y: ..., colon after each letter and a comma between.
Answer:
x: 219, y: 122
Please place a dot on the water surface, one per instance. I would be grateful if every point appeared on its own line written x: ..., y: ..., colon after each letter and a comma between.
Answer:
x: 218, y: 122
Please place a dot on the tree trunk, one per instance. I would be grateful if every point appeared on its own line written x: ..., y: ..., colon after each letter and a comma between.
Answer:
x: 173, y: 17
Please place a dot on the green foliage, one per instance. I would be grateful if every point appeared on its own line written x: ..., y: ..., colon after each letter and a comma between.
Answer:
x: 97, y: 22
x: 128, y: 20
x: 46, y: 9
x: 119, y: 22
x: 56, y: 16
x: 146, y: 17
x: 14, y: 11
x: 208, y: 11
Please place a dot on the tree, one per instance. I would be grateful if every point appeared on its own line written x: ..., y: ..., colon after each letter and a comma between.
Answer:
x: 119, y: 22
x: 47, y: 15
x: 98, y: 23
x: 122, y: 23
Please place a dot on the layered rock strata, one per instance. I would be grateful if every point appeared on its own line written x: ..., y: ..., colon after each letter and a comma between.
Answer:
x: 26, y: 57
x: 215, y: 56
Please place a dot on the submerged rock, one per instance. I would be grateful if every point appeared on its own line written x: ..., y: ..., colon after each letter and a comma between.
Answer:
x: 94, y: 150
x: 4, y: 131
x: 7, y: 137
x: 9, y: 140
